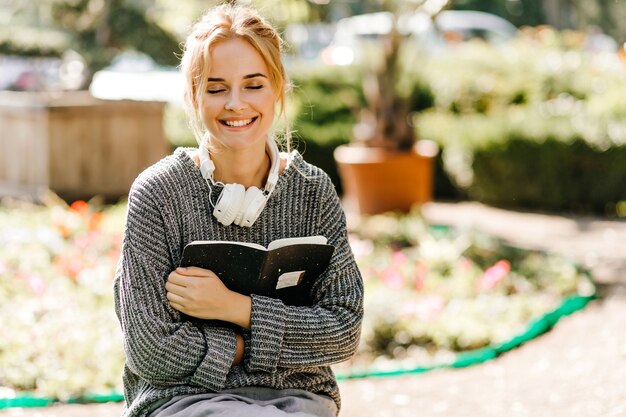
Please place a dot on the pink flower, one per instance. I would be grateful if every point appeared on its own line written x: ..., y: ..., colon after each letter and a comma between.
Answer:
x: 420, y: 276
x: 360, y: 247
x: 36, y: 283
x: 399, y: 258
x: 70, y: 264
x: 494, y: 275
x: 392, y: 278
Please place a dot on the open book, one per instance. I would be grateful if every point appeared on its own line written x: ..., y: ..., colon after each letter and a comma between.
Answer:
x: 286, y: 269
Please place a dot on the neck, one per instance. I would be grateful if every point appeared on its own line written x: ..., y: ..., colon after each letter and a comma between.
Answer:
x: 248, y: 167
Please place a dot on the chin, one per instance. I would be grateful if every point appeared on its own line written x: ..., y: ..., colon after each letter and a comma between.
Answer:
x: 237, y: 144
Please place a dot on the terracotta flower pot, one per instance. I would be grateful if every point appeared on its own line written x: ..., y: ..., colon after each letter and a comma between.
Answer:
x: 375, y: 180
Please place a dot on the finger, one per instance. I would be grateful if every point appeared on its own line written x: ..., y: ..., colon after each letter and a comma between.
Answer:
x: 175, y: 298
x: 177, y: 279
x: 178, y: 307
x: 175, y: 289
x: 194, y: 271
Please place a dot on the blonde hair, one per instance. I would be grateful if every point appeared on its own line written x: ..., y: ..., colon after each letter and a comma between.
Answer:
x: 223, y: 23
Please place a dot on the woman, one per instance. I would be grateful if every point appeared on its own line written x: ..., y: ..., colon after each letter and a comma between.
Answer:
x: 193, y: 347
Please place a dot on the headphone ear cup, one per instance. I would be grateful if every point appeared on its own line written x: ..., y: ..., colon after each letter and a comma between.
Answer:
x: 252, y: 210
x: 251, y: 194
x: 229, y: 203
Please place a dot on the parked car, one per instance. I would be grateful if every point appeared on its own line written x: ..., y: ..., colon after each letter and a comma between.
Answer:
x: 21, y: 73
x: 354, y: 33
x: 26, y: 73
x: 305, y: 41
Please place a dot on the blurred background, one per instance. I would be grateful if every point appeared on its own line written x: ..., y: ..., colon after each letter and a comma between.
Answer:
x: 502, y: 109
x: 508, y: 90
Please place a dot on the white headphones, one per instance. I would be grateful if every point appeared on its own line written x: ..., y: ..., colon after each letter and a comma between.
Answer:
x: 236, y: 204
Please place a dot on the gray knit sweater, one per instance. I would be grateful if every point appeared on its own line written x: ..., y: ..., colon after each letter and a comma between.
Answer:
x: 170, y: 354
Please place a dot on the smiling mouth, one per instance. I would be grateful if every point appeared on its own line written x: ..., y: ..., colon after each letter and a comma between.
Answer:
x: 238, y: 123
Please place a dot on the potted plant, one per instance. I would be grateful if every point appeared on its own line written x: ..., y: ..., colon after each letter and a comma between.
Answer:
x: 385, y: 167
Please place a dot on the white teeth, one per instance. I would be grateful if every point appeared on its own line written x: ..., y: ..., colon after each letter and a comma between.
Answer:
x: 238, y: 123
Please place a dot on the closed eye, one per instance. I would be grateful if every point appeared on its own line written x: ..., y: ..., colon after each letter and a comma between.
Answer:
x: 255, y: 87
x: 216, y: 91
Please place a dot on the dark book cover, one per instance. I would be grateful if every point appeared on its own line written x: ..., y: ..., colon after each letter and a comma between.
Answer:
x: 286, y: 269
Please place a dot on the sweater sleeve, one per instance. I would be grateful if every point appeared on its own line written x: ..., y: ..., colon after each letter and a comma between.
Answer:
x: 326, y: 333
x: 161, y: 346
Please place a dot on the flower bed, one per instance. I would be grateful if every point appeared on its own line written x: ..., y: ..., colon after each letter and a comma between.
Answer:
x: 431, y: 294
x: 59, y: 336
x: 438, y: 297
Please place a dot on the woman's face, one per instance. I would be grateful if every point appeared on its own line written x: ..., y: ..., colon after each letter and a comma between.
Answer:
x: 239, y: 102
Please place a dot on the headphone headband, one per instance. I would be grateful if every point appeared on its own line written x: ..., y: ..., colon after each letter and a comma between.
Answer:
x: 207, y: 167
x: 272, y: 178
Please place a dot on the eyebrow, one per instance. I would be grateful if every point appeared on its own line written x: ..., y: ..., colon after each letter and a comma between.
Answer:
x: 245, y: 77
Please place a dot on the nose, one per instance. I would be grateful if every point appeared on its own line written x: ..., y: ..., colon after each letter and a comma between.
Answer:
x: 235, y: 102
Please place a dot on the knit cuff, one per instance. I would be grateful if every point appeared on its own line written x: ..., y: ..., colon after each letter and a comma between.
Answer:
x: 221, y: 348
x: 265, y: 339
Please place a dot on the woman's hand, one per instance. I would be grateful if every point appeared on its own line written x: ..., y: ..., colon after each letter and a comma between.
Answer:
x: 200, y: 293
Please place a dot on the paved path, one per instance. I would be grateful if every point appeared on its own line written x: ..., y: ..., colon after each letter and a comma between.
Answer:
x: 577, y: 369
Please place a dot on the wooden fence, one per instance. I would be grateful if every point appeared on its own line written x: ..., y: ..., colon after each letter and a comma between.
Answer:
x: 76, y: 145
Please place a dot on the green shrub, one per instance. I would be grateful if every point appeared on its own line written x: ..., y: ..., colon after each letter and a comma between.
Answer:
x: 135, y: 28
x: 477, y: 78
x: 322, y: 111
x: 552, y: 175
x: 535, y: 160
x: 530, y: 125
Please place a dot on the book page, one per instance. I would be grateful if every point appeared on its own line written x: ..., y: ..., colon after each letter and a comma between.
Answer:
x: 279, y: 243
x: 209, y: 242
